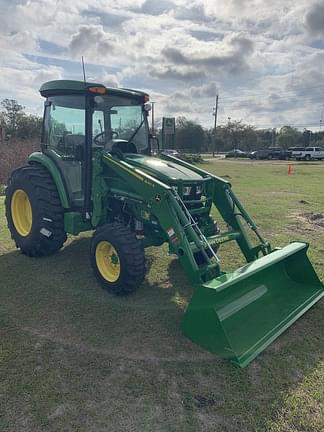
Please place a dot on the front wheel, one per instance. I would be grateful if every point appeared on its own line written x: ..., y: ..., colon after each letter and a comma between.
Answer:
x: 117, y: 258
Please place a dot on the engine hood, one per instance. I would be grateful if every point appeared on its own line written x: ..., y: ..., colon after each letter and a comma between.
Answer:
x: 165, y: 171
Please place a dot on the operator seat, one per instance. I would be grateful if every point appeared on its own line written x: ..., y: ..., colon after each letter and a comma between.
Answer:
x: 122, y: 146
x: 69, y: 155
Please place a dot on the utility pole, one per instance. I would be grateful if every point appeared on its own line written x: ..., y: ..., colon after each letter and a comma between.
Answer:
x: 273, y: 137
x: 215, y: 123
x: 152, y: 125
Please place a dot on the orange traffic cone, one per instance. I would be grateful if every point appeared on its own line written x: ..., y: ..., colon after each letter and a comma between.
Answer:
x: 289, y: 169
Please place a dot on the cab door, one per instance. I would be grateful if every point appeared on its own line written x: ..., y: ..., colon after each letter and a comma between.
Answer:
x: 63, y: 140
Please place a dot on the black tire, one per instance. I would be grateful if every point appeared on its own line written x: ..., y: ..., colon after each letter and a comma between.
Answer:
x: 130, y: 258
x: 307, y: 157
x: 46, y: 234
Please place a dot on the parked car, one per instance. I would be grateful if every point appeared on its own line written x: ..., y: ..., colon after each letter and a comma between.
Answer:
x: 310, y: 153
x: 270, y: 153
x: 170, y: 152
x: 236, y: 153
x: 295, y: 151
x: 259, y: 154
x: 278, y: 153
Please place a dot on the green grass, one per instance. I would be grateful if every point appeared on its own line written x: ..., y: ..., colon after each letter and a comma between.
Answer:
x: 75, y: 358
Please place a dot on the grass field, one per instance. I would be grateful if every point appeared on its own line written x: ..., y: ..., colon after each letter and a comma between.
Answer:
x: 74, y: 358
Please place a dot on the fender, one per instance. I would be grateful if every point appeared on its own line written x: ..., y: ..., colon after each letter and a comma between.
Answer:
x: 47, y: 163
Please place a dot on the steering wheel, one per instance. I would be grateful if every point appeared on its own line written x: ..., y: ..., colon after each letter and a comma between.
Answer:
x: 99, y: 136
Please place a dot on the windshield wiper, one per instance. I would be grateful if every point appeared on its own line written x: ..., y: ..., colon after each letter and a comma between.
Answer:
x: 136, y: 130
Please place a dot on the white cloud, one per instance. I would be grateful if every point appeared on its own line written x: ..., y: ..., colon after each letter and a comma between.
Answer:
x: 109, y: 80
x: 92, y: 40
x: 259, y: 55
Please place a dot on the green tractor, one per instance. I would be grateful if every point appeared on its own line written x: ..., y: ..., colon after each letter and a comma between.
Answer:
x: 95, y: 172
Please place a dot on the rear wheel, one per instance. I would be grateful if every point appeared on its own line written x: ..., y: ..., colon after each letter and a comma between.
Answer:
x: 34, y: 213
x: 117, y: 258
x: 307, y: 157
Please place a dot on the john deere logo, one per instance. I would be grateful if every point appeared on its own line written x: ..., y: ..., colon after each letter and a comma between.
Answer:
x: 168, y: 125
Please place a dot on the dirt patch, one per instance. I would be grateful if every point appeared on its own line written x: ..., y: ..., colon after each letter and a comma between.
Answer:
x: 311, y: 220
x: 201, y: 401
x: 316, y: 219
x: 67, y: 341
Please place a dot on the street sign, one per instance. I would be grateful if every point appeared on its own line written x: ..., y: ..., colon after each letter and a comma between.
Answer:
x: 168, y: 125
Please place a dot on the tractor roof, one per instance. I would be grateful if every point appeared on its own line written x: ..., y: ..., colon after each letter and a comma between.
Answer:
x: 59, y: 87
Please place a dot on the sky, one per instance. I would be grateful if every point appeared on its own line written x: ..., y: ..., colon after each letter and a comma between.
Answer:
x: 265, y: 59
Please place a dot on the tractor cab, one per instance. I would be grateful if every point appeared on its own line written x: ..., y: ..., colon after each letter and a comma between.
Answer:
x: 81, y: 119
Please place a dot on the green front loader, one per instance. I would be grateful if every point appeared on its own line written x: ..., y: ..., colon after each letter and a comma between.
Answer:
x: 95, y: 172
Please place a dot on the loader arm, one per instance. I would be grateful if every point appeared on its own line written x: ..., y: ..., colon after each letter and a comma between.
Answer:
x: 162, y: 201
x: 231, y: 210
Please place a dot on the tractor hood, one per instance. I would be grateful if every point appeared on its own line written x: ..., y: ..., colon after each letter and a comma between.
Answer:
x: 163, y: 170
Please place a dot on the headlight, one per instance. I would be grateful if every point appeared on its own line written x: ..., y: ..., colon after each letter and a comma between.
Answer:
x: 186, y: 190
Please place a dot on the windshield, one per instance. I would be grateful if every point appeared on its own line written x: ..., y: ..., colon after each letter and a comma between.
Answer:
x: 119, y: 120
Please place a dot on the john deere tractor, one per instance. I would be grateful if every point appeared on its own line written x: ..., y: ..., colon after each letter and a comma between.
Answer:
x: 95, y: 172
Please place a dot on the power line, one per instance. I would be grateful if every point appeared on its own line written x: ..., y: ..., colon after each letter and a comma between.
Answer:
x: 305, y: 98
x: 282, y: 93
x: 215, y: 123
x: 308, y: 108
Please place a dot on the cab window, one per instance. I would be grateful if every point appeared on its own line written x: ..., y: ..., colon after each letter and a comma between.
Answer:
x: 63, y: 141
x: 64, y: 129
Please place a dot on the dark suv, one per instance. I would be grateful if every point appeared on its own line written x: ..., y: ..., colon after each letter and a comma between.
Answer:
x: 271, y: 153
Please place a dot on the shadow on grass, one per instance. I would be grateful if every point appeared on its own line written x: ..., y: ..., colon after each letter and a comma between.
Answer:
x: 56, y: 301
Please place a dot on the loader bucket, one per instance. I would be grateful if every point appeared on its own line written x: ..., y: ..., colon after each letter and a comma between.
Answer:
x: 237, y: 315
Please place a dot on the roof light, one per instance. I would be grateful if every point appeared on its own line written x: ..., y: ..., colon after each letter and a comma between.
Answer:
x: 98, y: 90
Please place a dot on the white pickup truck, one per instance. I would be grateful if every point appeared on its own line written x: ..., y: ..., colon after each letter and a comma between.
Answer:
x: 309, y: 153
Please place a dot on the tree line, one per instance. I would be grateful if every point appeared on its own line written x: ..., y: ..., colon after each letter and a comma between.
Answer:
x: 191, y: 136
x: 16, y: 124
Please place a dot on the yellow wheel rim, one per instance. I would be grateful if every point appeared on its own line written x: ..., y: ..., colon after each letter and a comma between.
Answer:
x: 107, y: 261
x: 21, y: 212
